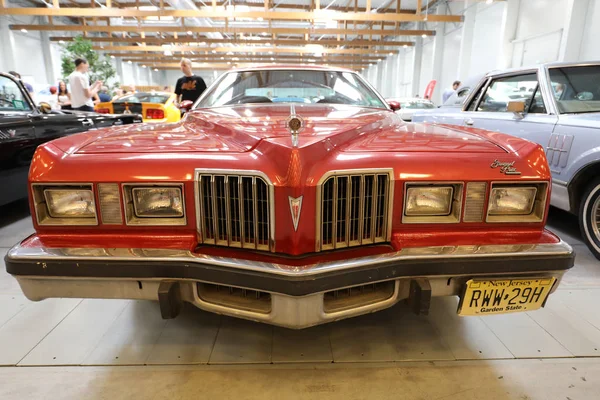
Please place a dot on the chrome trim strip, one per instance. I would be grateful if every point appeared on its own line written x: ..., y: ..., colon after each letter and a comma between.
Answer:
x: 43, y: 254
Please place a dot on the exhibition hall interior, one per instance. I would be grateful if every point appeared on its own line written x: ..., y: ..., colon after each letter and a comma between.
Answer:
x: 300, y: 199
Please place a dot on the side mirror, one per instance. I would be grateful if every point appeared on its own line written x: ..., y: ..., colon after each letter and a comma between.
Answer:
x: 45, y: 108
x: 518, y: 107
x: 186, y: 105
x: 394, y: 105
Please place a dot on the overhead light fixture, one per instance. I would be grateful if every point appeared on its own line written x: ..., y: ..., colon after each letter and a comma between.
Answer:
x: 259, y: 18
x: 61, y: 41
x: 391, y: 54
x: 155, y: 69
x: 272, y: 59
x: 228, y: 62
x: 264, y: 33
x: 112, y: 57
x: 489, y: 1
x: 190, y: 33
x: 24, y: 30
x: 143, y: 66
x: 202, y: 43
x: 310, y: 60
x: 423, y: 36
x: 214, y: 51
x: 129, y: 62
x: 222, y: 58
x: 270, y: 52
x: 405, y: 46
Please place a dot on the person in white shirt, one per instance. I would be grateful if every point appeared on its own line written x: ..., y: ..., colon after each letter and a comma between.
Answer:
x: 450, y: 91
x: 81, y: 93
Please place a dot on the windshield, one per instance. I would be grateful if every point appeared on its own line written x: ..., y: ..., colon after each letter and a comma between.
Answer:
x: 576, y: 89
x: 291, y: 86
x: 11, y: 96
x: 142, y: 97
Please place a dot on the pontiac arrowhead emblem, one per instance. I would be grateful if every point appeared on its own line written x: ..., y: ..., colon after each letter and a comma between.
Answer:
x: 295, y: 209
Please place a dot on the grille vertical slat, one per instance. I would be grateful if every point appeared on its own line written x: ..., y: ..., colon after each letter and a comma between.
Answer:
x: 234, y: 210
x: 354, y: 210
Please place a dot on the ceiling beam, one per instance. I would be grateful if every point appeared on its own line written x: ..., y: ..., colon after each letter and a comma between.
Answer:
x: 256, y: 15
x: 214, y: 66
x: 264, y: 57
x: 241, y: 49
x: 206, y: 29
x: 158, y: 40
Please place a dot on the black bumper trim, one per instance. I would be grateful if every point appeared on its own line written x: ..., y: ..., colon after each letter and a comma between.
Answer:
x: 291, y: 285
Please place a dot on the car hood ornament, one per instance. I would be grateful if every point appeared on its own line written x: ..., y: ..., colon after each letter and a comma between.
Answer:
x: 506, y: 168
x: 295, y: 209
x: 294, y: 124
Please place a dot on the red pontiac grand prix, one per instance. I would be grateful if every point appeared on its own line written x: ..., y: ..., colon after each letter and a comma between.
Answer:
x: 293, y: 196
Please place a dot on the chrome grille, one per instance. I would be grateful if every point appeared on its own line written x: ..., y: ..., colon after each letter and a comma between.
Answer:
x: 234, y: 210
x: 475, y: 201
x: 354, y: 209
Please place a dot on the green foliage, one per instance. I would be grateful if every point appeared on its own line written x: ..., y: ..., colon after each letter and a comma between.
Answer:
x: 100, y: 66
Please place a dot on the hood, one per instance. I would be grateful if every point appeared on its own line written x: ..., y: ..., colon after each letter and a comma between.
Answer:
x: 241, y: 128
x: 589, y: 120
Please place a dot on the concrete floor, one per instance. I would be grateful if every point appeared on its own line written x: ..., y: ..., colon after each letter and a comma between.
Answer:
x: 74, y: 349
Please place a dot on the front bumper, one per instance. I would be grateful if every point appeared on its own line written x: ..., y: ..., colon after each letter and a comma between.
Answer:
x: 297, y: 296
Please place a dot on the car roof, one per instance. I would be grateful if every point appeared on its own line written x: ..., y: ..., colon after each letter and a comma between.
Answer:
x: 553, y: 64
x: 309, y: 67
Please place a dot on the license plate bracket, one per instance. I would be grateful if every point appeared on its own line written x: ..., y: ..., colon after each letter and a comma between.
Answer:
x: 505, y: 295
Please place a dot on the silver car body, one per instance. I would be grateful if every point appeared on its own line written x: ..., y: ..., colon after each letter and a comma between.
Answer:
x: 572, y: 141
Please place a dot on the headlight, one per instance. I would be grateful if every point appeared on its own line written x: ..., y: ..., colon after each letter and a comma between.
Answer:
x: 435, y: 200
x: 512, y: 200
x: 66, y: 203
x: 158, y: 202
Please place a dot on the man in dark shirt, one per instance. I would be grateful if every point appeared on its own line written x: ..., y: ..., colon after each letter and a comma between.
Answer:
x: 189, y: 86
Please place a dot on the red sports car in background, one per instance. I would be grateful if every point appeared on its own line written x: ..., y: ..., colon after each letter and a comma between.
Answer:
x: 293, y: 196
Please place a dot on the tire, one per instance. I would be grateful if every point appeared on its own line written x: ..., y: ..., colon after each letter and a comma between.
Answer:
x: 589, y: 217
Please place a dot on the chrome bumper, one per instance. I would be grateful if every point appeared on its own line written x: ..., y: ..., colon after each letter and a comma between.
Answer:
x: 297, y: 293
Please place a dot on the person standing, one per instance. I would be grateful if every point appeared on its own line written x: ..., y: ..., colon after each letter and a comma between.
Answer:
x: 189, y: 86
x: 81, y: 93
x: 64, y: 97
x: 103, y: 95
x: 450, y: 91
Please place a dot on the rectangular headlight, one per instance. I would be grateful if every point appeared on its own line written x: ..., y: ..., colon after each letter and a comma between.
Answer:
x: 70, y: 203
x: 512, y: 200
x: 429, y: 200
x: 158, y: 202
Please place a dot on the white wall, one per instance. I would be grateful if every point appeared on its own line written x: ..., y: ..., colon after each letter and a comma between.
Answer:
x: 29, y: 58
x: 539, y: 29
x: 590, y: 48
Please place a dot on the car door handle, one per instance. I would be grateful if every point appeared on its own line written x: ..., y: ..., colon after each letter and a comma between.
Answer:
x: 87, y: 122
x: 469, y: 122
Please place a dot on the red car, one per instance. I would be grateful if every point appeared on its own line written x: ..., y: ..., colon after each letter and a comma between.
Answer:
x: 295, y: 196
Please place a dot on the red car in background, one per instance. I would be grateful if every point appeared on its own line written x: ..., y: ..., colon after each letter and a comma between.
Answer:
x: 295, y: 196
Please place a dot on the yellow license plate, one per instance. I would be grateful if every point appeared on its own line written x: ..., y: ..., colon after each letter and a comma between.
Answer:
x: 499, y: 296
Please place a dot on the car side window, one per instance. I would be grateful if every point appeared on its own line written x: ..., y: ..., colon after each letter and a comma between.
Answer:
x: 11, y: 96
x: 508, y: 89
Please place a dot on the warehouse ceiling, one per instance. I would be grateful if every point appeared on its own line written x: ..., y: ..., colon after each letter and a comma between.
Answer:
x: 218, y: 35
